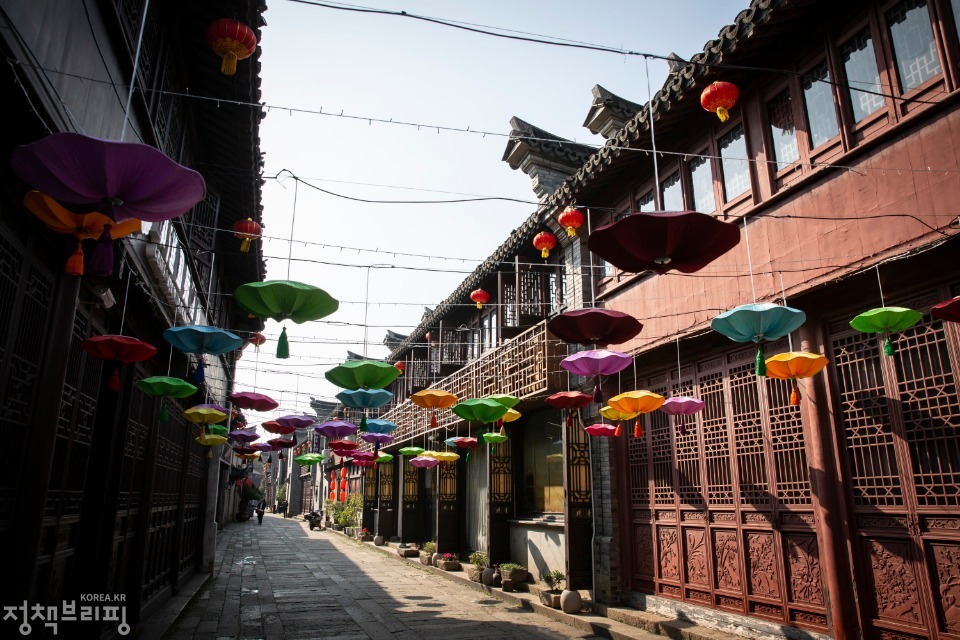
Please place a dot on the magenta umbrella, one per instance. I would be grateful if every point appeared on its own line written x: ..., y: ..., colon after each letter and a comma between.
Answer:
x: 297, y: 422
x: 663, y: 240
x: 594, y: 326
x: 245, y: 435
x: 362, y: 455
x: 377, y: 438
x: 423, y: 462
x: 681, y: 406
x: 364, y: 463
x: 121, y: 180
x: 255, y: 401
x: 601, y: 430
x: 336, y: 429
x: 598, y: 362
x: 465, y: 443
x: 275, y: 427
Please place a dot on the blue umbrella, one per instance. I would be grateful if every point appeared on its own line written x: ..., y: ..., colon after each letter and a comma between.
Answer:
x: 201, y: 339
x: 757, y: 322
x: 364, y: 398
x: 380, y: 426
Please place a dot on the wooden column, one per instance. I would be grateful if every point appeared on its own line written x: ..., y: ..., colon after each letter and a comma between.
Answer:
x: 181, y: 513
x: 412, y: 529
x: 828, y: 491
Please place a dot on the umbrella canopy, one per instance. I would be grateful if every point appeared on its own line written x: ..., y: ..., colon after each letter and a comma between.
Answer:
x: 465, y: 443
x: 948, y: 310
x: 681, y: 406
x: 793, y: 365
x: 512, y: 415
x: 245, y: 435
x: 383, y: 458
x: 364, y: 398
x: 273, y: 426
x: 308, y: 459
x: 601, y: 430
x: 636, y: 402
x: 243, y: 449
x: 480, y: 410
x: 119, y: 179
x: 249, y: 456
x: 217, y: 429
x: 362, y: 374
x: 336, y: 429
x: 285, y: 299
x: 206, y: 414
x: 282, y: 443
x: 612, y: 414
x: 885, y: 320
x: 594, y: 326
x: 121, y: 348
x: 377, y: 438
x: 296, y: 421
x: 210, y: 440
x: 166, y: 387
x: 262, y: 446
x: 363, y: 455
x: 255, y: 401
x: 411, y: 451
x: 756, y: 322
x: 433, y: 399
x: 660, y: 241
x: 446, y: 456
x: 599, y: 362
x: 506, y: 400
x: 342, y: 445
x: 493, y: 437
x: 569, y: 400
x: 193, y: 338
x: 422, y: 462
x: 364, y: 463
x: 380, y: 426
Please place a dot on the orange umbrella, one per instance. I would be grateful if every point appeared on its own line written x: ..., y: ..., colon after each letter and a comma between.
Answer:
x: 434, y: 399
x: 637, y: 402
x: 792, y: 365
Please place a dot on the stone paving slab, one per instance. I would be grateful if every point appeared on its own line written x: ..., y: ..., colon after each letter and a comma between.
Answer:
x: 281, y: 580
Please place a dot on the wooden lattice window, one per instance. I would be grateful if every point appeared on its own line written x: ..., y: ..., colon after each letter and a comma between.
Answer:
x: 786, y: 440
x: 411, y: 482
x: 748, y: 436
x: 386, y: 481
x: 716, y: 439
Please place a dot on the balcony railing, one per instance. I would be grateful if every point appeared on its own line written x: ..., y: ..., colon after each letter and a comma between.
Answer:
x: 526, y: 366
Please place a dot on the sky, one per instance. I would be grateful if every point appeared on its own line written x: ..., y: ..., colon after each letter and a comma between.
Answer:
x: 379, y: 67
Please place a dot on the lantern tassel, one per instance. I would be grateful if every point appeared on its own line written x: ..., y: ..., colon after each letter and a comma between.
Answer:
x: 761, y: 365
x: 888, y: 348
x: 680, y: 426
x: 637, y: 429
x: 723, y: 114
x: 114, y: 383
x: 467, y: 459
x: 164, y: 414
x: 101, y: 260
x: 245, y: 245
x: 75, y: 261
x: 571, y: 231
x: 795, y: 393
x: 433, y: 420
x: 598, y: 393
x: 619, y: 431
x: 198, y: 375
x: 283, y: 345
x: 545, y: 253
x: 229, y: 65
x: 479, y: 305
x: 363, y: 425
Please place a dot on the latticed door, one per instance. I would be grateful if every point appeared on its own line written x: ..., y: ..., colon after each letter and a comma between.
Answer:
x: 723, y: 514
x: 900, y: 423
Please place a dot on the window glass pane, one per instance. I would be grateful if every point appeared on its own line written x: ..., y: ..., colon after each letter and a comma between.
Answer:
x: 818, y: 96
x: 860, y: 64
x: 671, y: 194
x: 702, y: 179
x: 782, y: 131
x: 955, y: 5
x: 913, y: 45
x: 733, y: 153
x: 645, y: 202
x: 542, y: 468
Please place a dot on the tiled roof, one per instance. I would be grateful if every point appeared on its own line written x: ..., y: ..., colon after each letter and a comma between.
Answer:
x: 605, y: 98
x: 544, y: 143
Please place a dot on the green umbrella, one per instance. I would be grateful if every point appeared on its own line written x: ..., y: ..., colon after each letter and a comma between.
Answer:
x: 383, y: 457
x: 480, y: 410
x: 493, y: 438
x: 282, y: 300
x: 362, y: 374
x: 506, y: 400
x: 411, y: 451
x: 309, y: 459
x: 885, y: 320
x: 217, y: 429
x: 166, y: 387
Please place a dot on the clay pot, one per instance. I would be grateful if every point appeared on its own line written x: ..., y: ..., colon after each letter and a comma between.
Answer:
x: 486, y: 576
x: 507, y: 584
x: 570, y: 601
x: 378, y: 541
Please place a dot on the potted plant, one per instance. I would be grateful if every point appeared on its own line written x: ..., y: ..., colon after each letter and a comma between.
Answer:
x: 364, y: 535
x: 515, y: 572
x: 551, y: 596
x: 427, y: 551
x: 449, y: 562
x: 479, y: 561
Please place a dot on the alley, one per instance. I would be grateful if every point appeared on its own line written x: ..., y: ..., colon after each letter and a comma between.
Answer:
x: 281, y: 580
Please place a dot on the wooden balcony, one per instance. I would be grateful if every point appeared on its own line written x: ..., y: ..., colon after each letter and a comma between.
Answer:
x: 527, y: 366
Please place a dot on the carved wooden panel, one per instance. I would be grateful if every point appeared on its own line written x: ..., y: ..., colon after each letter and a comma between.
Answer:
x: 726, y: 560
x: 804, y: 580
x: 644, y: 553
x: 946, y: 584
x: 695, y: 556
x: 894, y: 585
x: 762, y: 565
x: 668, y: 551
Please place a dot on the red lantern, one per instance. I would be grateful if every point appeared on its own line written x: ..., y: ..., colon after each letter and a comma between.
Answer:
x: 402, y: 366
x: 719, y: 97
x: 572, y: 219
x: 343, y: 496
x: 343, y: 472
x: 232, y: 41
x: 333, y: 496
x: 544, y: 241
x: 343, y: 484
x: 480, y: 296
x: 248, y: 231
x: 426, y: 336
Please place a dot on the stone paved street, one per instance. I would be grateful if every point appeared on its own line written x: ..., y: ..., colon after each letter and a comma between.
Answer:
x: 281, y: 580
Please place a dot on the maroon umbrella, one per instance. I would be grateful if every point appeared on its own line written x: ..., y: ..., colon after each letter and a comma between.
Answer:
x: 244, y: 449
x: 283, y: 443
x: 660, y: 241
x: 297, y: 422
x: 569, y: 401
x: 262, y: 447
x: 119, y: 349
x: 255, y: 401
x: 275, y: 427
x: 594, y: 326
x: 948, y: 310
x: 119, y: 179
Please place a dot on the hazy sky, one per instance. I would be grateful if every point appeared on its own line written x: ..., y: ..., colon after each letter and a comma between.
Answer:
x: 386, y: 67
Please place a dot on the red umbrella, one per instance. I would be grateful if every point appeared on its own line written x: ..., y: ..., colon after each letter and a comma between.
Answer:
x: 601, y: 430
x: 569, y: 401
x: 282, y: 443
x: 660, y: 241
x: 342, y: 445
x: 119, y: 349
x: 594, y: 326
x: 948, y: 310
x: 275, y: 427
x: 255, y: 401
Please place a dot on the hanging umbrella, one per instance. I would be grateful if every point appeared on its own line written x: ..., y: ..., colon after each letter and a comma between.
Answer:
x: 422, y: 462
x: 82, y: 226
x: 366, y: 456
x: 272, y: 426
x: 342, y: 445
x: 793, y: 365
x: 493, y: 438
x: 380, y: 426
x: 263, y: 447
x: 336, y: 429
x: 465, y: 443
x: 202, y: 339
x: 210, y: 440
x: 569, y: 401
x: 283, y: 300
x: 506, y: 400
x: 446, y: 456
x: 377, y: 439
x: 296, y: 421
x: 484, y: 410
x: 886, y: 320
x: 206, y: 414
x: 602, y: 430
x: 599, y: 362
x: 638, y: 402
x: 594, y: 326
x: 433, y: 399
x: 122, y: 180
x: 948, y: 310
x: 166, y: 387
x: 660, y: 241
x: 243, y: 450
x: 283, y: 443
x: 512, y: 415
x: 364, y: 398
x: 362, y: 374
x: 308, y: 459
x: 681, y: 406
x: 254, y: 401
x: 384, y: 458
x: 216, y: 429
x: 757, y: 322
x: 249, y: 456
x: 245, y: 435
x: 118, y: 349
x: 617, y: 416
x: 410, y: 451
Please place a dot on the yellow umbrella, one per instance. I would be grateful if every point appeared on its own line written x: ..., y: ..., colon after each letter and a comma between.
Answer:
x: 446, y: 456
x: 210, y: 440
x: 792, y: 365
x: 614, y: 415
x: 428, y: 454
x: 205, y: 414
x: 637, y: 402
x: 249, y: 456
x: 434, y: 399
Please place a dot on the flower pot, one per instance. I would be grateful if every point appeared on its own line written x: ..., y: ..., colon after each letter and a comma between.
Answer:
x: 550, y: 598
x: 449, y: 565
x: 507, y: 584
x: 486, y: 576
x: 570, y: 601
x: 365, y: 537
x: 517, y: 575
x: 435, y: 559
x: 378, y: 541
x: 425, y: 559
x: 474, y: 574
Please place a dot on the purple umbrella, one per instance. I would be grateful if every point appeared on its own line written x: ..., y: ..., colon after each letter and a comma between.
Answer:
x: 599, y: 362
x: 282, y: 443
x: 245, y: 435
x: 681, y: 406
x: 376, y: 439
x: 422, y: 462
x: 263, y: 447
x: 336, y: 429
x: 297, y: 422
x: 119, y: 179
x: 362, y: 455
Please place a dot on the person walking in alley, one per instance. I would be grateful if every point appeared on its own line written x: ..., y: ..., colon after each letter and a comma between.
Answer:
x: 282, y: 507
x: 261, y: 506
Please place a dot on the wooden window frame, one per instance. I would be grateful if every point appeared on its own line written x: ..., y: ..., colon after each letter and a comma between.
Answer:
x: 746, y: 199
x: 780, y: 178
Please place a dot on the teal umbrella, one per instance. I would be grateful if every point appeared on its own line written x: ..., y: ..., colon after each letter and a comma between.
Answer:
x: 364, y: 398
x: 758, y: 322
x: 283, y: 300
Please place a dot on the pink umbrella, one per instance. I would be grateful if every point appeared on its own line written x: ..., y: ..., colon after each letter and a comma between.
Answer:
x: 255, y: 401
x: 364, y: 463
x: 336, y: 429
x: 422, y: 462
x: 362, y: 455
x: 601, y: 430
x: 682, y: 406
x: 466, y: 443
x: 599, y: 362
